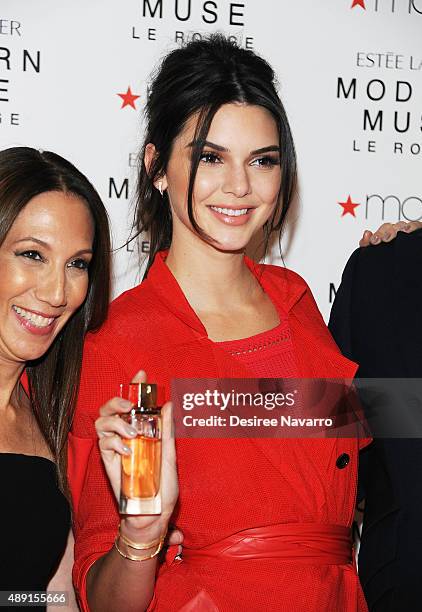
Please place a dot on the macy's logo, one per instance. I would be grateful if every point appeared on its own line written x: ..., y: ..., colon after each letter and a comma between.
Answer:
x: 387, y: 208
x: 389, y: 6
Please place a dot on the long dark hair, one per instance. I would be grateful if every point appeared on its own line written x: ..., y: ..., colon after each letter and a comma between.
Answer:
x: 199, y: 78
x: 54, y: 378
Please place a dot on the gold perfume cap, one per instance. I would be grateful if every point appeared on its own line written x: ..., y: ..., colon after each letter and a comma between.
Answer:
x: 143, y: 396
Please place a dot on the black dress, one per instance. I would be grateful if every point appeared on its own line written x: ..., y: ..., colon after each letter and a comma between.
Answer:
x: 34, y: 523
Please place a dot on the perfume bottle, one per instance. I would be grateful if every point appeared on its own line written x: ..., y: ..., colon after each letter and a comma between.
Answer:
x: 140, y: 490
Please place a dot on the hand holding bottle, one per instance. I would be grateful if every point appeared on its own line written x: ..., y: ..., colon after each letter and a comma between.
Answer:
x: 112, y: 433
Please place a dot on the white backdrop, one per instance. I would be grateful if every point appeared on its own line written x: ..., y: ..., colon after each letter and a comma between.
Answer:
x: 350, y: 74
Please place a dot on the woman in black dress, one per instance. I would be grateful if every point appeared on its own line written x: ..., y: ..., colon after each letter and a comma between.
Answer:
x: 54, y: 287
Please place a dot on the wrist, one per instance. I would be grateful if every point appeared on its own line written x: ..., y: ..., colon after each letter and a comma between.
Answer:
x: 138, y: 552
x: 130, y: 530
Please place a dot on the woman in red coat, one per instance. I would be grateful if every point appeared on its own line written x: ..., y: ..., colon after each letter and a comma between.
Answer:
x: 266, y: 522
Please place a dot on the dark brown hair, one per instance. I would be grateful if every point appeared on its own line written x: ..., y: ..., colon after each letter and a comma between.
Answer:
x: 54, y: 377
x: 198, y: 79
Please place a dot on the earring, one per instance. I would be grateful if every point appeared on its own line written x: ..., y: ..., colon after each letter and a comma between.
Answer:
x: 160, y: 188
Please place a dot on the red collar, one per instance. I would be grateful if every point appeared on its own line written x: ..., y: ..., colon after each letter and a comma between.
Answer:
x: 284, y: 289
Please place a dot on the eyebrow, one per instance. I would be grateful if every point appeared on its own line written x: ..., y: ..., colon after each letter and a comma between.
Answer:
x: 47, y: 246
x: 212, y: 145
x: 32, y: 239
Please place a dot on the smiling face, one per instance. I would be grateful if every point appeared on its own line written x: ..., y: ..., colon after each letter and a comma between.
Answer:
x: 238, y: 179
x: 44, y: 273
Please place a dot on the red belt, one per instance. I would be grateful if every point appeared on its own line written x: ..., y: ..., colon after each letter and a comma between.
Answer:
x: 303, y: 543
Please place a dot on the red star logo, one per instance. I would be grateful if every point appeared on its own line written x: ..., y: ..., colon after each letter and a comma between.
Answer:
x: 360, y: 3
x: 128, y: 98
x: 348, y: 207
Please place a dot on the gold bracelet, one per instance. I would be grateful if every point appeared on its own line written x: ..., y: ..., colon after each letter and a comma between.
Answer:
x: 137, y: 546
x: 131, y: 557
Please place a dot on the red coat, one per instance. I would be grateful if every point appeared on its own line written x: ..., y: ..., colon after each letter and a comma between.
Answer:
x: 226, y: 486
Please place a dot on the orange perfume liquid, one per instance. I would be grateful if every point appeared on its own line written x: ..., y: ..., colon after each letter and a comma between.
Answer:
x: 141, y: 469
x: 140, y: 490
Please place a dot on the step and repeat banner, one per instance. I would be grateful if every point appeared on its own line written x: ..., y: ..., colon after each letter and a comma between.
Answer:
x: 74, y: 79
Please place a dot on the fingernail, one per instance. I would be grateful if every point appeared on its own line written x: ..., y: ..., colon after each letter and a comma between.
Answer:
x: 127, y: 450
x: 124, y: 403
x: 375, y: 239
x: 131, y: 431
x: 407, y: 228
